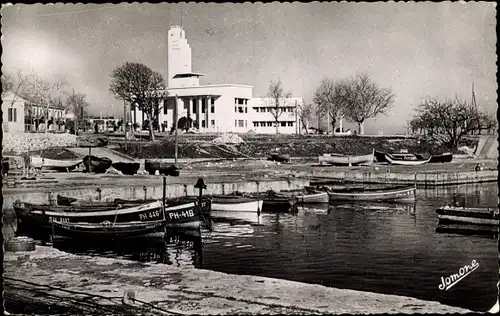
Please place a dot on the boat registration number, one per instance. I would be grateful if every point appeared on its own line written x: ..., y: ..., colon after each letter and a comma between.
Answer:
x: 58, y: 219
x: 181, y: 214
x: 149, y: 215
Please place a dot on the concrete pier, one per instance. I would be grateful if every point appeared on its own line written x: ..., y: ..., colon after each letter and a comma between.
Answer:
x: 164, y: 290
x: 130, y: 187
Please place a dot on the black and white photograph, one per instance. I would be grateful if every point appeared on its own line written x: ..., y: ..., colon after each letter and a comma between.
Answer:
x: 250, y: 158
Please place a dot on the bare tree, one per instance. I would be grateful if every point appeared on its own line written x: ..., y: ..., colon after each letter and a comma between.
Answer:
x: 305, y: 112
x: 77, y: 104
x: 448, y: 121
x: 140, y: 86
x: 277, y: 100
x: 18, y: 84
x: 329, y: 97
x: 363, y: 99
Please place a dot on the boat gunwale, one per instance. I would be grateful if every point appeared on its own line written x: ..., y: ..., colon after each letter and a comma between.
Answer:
x: 373, y: 193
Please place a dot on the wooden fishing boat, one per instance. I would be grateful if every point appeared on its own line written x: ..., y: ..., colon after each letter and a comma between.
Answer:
x: 402, y: 162
x: 109, y: 230
x: 96, y: 164
x: 476, y: 216
x: 165, y: 169
x: 128, y: 168
x: 41, y: 216
x: 376, y: 194
x: 333, y: 159
x: 235, y: 203
x: 307, y: 196
x: 45, y: 163
x: 91, y: 141
x: 447, y: 157
x: 279, y: 157
x: 186, y: 215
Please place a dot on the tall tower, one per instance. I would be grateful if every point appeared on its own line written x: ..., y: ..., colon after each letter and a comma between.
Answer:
x: 178, y: 54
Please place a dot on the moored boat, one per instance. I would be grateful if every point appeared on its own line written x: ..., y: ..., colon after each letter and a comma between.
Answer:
x: 307, y: 196
x: 376, y: 194
x: 96, y: 164
x: 45, y: 163
x: 91, y: 141
x: 333, y: 159
x: 186, y: 215
x: 271, y: 200
x: 393, y: 161
x: 235, y: 203
x: 127, y: 168
x: 109, y: 230
x: 476, y: 216
x: 414, y: 159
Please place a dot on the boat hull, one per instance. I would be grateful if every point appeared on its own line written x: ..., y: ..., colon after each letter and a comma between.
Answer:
x: 467, y: 220
x: 346, y: 160
x: 311, y: 198
x: 406, y: 194
x: 96, y: 164
x: 39, y: 162
x: 109, y: 230
x: 127, y: 168
x: 248, y: 206
x: 402, y: 162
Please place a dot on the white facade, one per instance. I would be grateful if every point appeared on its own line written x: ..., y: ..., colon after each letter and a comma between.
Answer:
x: 13, y: 113
x: 263, y: 110
x: 213, y: 108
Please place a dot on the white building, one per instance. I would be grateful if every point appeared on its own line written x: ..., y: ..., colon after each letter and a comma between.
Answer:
x: 212, y: 108
x: 264, y: 111
x: 13, y: 113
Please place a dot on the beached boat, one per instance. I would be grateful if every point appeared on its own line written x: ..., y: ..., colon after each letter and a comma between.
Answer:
x: 128, y: 168
x: 165, y: 169
x: 333, y: 159
x: 109, y: 230
x: 236, y: 203
x: 91, y: 141
x: 403, y: 162
x: 96, y: 164
x: 382, y: 157
x: 307, y: 196
x: 375, y: 194
x: 279, y: 157
x: 45, y: 163
x: 476, y: 216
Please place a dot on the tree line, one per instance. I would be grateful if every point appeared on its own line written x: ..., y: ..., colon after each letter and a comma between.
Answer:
x: 44, y: 92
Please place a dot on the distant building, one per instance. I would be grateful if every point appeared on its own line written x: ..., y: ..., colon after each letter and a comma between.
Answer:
x: 210, y: 108
x: 13, y: 113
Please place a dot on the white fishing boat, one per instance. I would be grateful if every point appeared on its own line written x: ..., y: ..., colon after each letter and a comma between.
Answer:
x: 40, y: 162
x: 236, y: 203
x: 334, y: 159
x: 468, y: 215
x: 402, y: 162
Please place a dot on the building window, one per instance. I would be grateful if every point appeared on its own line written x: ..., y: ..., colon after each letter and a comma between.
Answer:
x: 290, y: 124
x: 212, y: 122
x: 203, y: 123
x: 255, y: 124
x: 203, y: 108
x: 245, y: 123
x: 269, y: 124
x: 240, y: 123
x: 256, y: 109
x: 212, y: 108
x: 245, y: 109
x: 12, y: 113
x: 235, y: 123
x: 283, y: 124
x: 194, y: 108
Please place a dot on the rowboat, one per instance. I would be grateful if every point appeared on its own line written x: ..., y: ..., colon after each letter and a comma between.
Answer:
x: 271, y: 200
x: 96, y: 164
x: 66, y: 165
x: 163, y: 168
x: 307, y: 196
x: 253, y: 217
x: 333, y: 159
x: 401, y: 162
x: 381, y: 157
x: 377, y: 194
x: 236, y: 203
x: 128, y: 168
x: 109, y: 230
x: 279, y: 157
x: 447, y: 157
x: 477, y: 216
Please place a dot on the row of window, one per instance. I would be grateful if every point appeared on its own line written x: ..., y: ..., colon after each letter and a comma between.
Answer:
x: 272, y: 109
x: 240, y: 101
x: 194, y: 106
x: 272, y: 124
x: 240, y: 123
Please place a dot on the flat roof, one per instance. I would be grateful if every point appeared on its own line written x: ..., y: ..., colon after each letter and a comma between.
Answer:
x: 188, y: 74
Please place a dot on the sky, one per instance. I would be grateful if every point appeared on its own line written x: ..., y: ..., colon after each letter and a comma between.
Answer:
x: 416, y: 49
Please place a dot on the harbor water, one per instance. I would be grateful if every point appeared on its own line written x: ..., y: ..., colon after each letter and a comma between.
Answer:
x: 387, y: 248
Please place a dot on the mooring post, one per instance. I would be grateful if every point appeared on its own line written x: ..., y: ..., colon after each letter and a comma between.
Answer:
x: 200, y: 185
x: 223, y: 191
x: 164, y: 189
x: 99, y: 193
x: 258, y: 200
x: 145, y: 192
x: 185, y: 189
